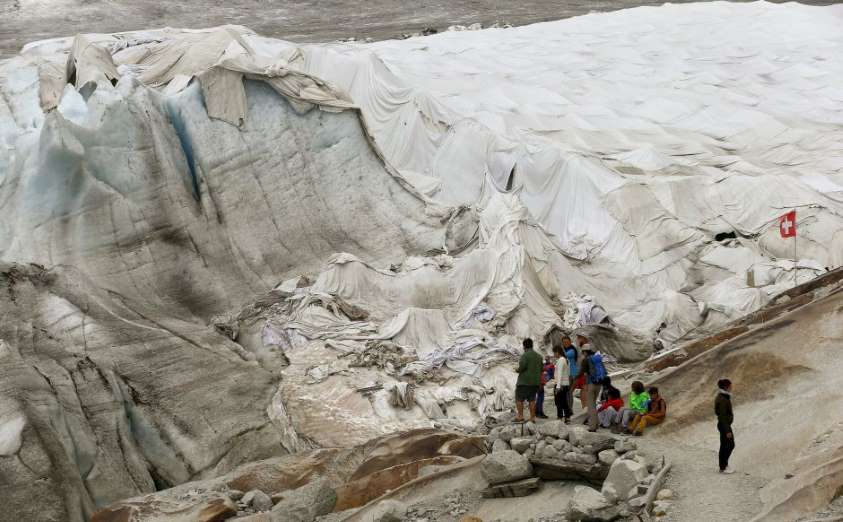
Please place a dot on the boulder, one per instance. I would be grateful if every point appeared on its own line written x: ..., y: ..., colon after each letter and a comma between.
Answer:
x: 499, y: 445
x: 529, y: 453
x: 591, y: 442
x: 624, y: 476
x: 217, y: 510
x: 638, y: 502
x: 519, y: 488
x: 554, y: 428
x: 643, y: 461
x: 549, y: 452
x: 316, y: 498
x: 235, y: 494
x: 582, y: 458
x: 388, y: 511
x: 257, y: 500
x: 624, y: 445
x: 664, y: 494
x: 505, y: 466
x: 520, y: 444
x: 506, y: 433
x: 562, y: 446
x: 539, y: 447
x: 556, y: 469
x: 607, y: 457
x: 257, y: 517
x: 660, y: 507
x: 589, y: 504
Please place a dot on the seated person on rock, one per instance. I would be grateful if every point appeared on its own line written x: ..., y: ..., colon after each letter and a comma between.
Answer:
x: 656, y: 413
x: 608, y: 409
x: 638, y: 399
x: 606, y: 388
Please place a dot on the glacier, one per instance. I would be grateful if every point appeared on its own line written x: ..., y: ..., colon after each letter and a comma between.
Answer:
x: 211, y: 241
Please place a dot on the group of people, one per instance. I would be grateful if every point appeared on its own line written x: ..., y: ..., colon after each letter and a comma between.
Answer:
x: 581, y: 368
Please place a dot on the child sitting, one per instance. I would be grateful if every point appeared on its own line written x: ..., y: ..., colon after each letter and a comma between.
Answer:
x: 656, y: 413
x: 609, y: 408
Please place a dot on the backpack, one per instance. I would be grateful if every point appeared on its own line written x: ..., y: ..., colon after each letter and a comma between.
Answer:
x: 597, y: 372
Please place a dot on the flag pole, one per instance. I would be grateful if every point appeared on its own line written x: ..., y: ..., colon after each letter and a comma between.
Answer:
x: 795, y: 259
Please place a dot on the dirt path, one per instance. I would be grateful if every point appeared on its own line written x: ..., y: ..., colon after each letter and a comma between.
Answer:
x: 700, y: 491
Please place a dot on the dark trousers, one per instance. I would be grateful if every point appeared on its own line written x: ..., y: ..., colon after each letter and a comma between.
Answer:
x: 727, y: 445
x: 540, y: 401
x: 563, y: 403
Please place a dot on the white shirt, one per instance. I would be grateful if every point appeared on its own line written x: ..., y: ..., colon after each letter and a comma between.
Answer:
x: 561, y: 372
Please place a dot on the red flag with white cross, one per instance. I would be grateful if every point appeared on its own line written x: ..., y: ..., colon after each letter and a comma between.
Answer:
x: 787, y: 224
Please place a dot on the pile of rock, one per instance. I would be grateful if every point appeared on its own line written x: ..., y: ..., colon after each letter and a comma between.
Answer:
x: 509, y: 474
x: 314, y: 499
x: 521, y: 455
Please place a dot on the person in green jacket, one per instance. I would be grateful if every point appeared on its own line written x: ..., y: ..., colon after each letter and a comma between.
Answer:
x: 529, y: 378
x: 638, y: 398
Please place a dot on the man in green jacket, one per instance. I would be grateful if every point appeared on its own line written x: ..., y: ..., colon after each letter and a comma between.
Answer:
x: 529, y: 378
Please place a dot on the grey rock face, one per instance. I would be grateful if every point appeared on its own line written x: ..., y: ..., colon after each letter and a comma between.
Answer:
x: 607, y: 457
x: 625, y: 445
x: 304, y: 504
x: 624, y: 476
x: 549, y: 452
x: 521, y: 444
x: 258, y: 500
x: 519, y: 488
x: 563, y: 446
x: 591, y: 442
x: 389, y: 511
x: 499, y: 445
x: 589, y: 504
x: 554, y: 428
x: 115, y: 388
x: 505, y: 466
x: 582, y: 458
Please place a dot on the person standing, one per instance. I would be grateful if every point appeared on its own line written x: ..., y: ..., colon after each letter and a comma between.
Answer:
x: 723, y: 410
x: 572, y: 357
x: 593, y: 384
x: 546, y: 375
x: 529, y: 376
x: 562, y: 395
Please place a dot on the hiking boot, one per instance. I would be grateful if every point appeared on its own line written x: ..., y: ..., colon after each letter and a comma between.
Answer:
x: 727, y: 471
x: 542, y: 416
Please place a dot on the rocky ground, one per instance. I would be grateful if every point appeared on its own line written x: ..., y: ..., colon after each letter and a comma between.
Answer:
x: 434, y: 477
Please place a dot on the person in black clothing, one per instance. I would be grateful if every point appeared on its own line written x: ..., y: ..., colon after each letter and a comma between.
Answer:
x: 723, y: 410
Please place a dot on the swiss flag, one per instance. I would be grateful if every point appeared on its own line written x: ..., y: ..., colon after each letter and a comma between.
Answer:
x: 787, y: 224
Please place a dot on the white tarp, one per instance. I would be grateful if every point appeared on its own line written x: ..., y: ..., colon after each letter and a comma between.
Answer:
x: 602, y: 154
